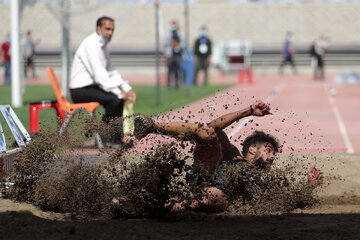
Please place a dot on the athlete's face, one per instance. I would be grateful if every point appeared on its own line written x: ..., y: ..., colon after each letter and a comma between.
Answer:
x: 264, y: 155
x: 106, y: 29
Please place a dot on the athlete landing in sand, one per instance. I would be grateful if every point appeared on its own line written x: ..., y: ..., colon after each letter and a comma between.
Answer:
x: 213, y: 149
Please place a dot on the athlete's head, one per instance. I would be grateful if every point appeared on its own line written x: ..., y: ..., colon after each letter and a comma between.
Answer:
x: 260, y: 149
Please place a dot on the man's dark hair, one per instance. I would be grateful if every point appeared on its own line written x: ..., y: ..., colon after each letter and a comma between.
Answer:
x: 99, y: 21
x: 259, y: 137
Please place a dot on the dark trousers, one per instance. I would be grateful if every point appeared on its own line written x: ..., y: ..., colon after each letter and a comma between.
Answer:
x: 287, y: 60
x: 29, y: 62
x: 174, y: 67
x: 319, y: 72
x: 201, y: 64
x: 113, y: 105
x: 7, y: 72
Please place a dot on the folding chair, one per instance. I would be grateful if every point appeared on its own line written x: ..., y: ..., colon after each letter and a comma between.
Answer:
x: 69, y: 108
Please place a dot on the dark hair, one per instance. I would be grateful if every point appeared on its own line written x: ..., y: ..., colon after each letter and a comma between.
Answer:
x: 99, y: 21
x: 259, y: 137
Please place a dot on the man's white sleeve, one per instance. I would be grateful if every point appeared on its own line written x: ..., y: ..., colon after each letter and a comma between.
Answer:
x: 123, y: 87
x: 109, y: 81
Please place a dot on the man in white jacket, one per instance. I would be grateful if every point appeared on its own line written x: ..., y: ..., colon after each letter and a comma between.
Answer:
x: 92, y: 77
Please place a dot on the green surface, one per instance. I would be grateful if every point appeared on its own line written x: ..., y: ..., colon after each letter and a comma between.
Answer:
x: 146, y: 100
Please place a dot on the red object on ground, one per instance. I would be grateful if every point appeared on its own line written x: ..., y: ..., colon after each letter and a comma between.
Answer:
x: 34, y: 108
x: 248, y: 72
x: 2, y: 165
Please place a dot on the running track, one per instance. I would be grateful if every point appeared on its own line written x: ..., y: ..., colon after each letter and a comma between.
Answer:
x: 307, y: 116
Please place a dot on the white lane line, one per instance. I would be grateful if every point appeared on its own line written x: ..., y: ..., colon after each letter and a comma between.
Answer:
x: 276, y: 90
x: 331, y: 92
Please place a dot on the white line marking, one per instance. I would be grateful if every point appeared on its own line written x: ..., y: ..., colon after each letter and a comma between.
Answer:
x: 331, y: 93
x: 276, y: 90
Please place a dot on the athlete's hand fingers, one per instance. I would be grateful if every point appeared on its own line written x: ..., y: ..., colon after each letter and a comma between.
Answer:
x: 318, y: 174
x: 312, y: 168
x: 266, y: 108
x: 258, y: 103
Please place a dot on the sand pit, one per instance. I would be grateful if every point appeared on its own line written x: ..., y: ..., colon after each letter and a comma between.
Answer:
x: 335, y: 216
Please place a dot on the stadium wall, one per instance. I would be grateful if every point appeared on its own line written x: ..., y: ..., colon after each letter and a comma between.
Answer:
x: 264, y: 24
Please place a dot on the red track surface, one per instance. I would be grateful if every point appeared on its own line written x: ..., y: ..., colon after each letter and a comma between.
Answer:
x: 303, y: 119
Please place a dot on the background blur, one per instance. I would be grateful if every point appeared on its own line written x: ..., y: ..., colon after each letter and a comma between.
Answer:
x: 264, y: 23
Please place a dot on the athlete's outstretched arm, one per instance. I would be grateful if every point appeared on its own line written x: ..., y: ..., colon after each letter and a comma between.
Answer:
x: 258, y: 109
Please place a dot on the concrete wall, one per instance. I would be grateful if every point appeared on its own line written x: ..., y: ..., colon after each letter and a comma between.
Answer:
x: 261, y: 23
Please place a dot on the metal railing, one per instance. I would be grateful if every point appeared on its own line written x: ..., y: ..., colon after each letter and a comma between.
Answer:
x: 261, y: 56
x: 19, y: 132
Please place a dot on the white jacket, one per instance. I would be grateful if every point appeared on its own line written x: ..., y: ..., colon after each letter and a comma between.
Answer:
x: 92, y: 66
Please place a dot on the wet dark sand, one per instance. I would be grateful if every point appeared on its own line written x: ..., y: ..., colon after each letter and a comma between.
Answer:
x: 24, y: 225
x: 337, y: 216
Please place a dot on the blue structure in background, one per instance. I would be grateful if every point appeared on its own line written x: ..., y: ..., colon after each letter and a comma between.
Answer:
x: 187, y: 67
